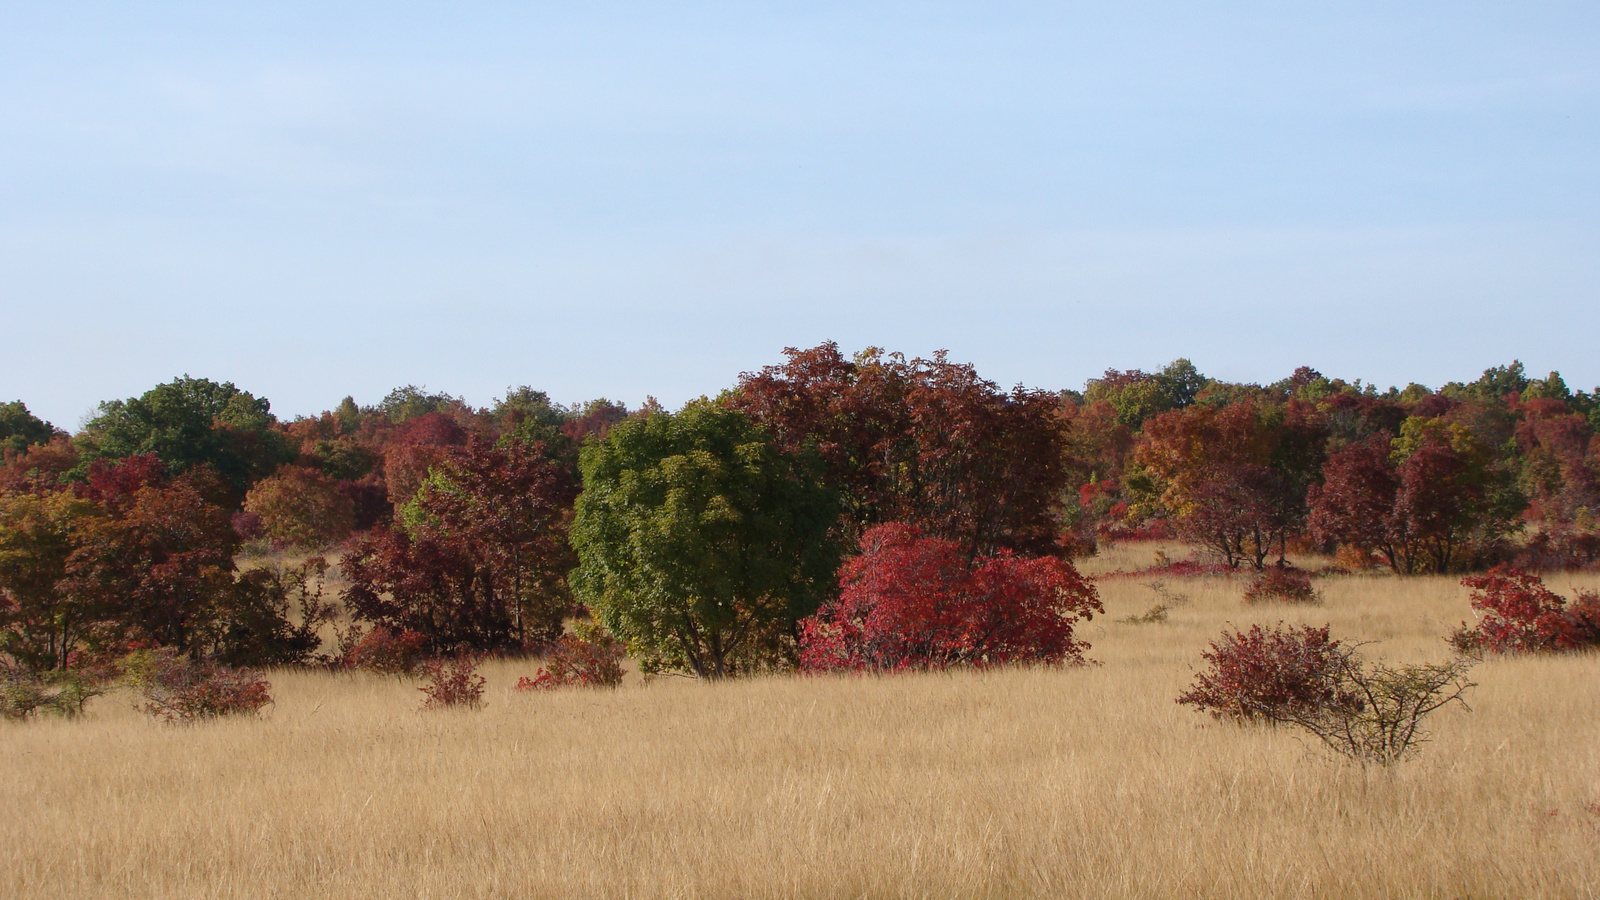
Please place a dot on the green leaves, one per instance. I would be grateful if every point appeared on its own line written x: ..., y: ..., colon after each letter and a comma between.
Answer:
x: 191, y: 422
x: 700, y: 543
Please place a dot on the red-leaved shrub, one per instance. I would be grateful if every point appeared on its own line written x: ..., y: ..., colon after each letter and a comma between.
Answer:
x: 452, y: 682
x: 915, y: 602
x: 575, y: 662
x: 1299, y: 676
x: 1583, y: 619
x: 1518, y: 613
x: 1280, y: 584
x: 178, y: 689
x: 1262, y: 673
x: 387, y: 651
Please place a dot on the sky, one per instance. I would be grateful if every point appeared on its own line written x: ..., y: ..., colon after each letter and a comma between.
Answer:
x: 646, y: 199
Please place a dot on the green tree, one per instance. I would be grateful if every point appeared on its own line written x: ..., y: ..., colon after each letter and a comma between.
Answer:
x: 191, y: 422
x: 1138, y: 396
x: 19, y: 428
x: 699, y: 543
x: 409, y: 402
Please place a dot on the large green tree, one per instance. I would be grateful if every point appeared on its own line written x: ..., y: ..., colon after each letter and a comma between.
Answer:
x: 700, y: 543
x: 20, y: 428
x: 191, y: 422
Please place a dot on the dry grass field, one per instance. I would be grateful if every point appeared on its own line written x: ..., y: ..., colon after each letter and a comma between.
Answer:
x: 1087, y: 782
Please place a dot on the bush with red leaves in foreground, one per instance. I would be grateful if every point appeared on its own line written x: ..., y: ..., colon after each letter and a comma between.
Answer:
x: 1265, y: 674
x: 915, y: 602
x: 1520, y: 614
x: 1299, y: 676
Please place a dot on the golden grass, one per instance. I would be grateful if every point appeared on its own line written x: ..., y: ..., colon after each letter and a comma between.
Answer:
x: 1085, y: 782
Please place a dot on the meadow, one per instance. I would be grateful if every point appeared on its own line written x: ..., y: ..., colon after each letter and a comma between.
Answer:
x: 1076, y: 782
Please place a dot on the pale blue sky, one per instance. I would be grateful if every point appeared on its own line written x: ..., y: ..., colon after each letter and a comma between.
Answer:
x: 315, y: 199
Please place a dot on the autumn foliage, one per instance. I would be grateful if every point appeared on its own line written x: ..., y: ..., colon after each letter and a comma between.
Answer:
x: 910, y: 601
x: 922, y: 441
x: 1265, y: 674
x: 452, y: 681
x: 1517, y: 613
x: 301, y: 507
x: 576, y: 662
x: 1280, y: 584
x: 480, y: 557
x: 178, y: 689
x: 386, y: 651
x: 1299, y: 676
x: 155, y: 526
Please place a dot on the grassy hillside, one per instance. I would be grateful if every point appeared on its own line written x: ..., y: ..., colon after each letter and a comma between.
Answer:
x: 1086, y: 782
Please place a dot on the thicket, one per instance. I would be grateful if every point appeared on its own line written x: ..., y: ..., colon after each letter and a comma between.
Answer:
x: 705, y: 538
x: 179, y: 689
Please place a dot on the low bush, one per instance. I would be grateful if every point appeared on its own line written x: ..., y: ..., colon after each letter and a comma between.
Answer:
x: 385, y: 651
x: 1280, y: 584
x: 1299, y: 676
x: 452, y: 682
x: 25, y: 692
x: 1583, y: 619
x: 178, y: 689
x: 1262, y: 674
x: 575, y: 662
x: 1517, y: 613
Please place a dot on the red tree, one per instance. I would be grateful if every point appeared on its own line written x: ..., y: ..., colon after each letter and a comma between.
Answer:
x: 483, y: 557
x: 414, y: 447
x: 1355, y: 503
x: 924, y: 441
x: 914, y: 602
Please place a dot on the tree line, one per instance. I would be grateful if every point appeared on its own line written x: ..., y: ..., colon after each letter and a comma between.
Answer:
x: 860, y: 512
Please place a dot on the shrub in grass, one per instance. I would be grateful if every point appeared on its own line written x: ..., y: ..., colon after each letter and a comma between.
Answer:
x: 1263, y: 673
x: 452, y: 682
x: 387, y: 651
x: 1299, y: 676
x: 575, y: 662
x: 1517, y: 613
x: 1280, y: 584
x: 178, y: 689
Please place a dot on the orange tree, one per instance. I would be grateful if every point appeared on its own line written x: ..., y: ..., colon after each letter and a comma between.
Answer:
x: 1234, y: 477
